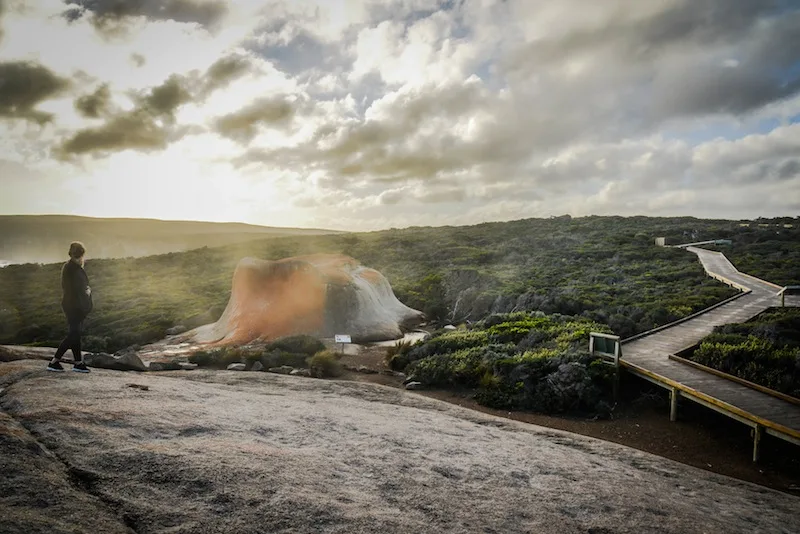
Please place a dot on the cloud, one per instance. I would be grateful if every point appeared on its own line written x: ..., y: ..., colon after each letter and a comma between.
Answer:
x: 24, y: 85
x: 223, y: 71
x: 147, y: 127
x: 461, y: 111
x: 150, y: 125
x: 136, y: 130
x: 243, y: 125
x: 113, y: 17
x: 164, y: 99
x: 96, y: 104
x: 659, y: 61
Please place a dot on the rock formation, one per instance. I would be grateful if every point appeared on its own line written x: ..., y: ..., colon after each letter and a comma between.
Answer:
x: 320, y: 294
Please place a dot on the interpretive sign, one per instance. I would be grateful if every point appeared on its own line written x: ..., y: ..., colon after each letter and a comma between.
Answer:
x: 342, y: 338
x: 609, y: 349
x: 605, y: 345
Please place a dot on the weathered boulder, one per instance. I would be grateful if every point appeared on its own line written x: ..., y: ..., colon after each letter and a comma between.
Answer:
x: 164, y: 366
x: 258, y: 366
x: 320, y: 295
x: 237, y: 367
x: 281, y: 370
x: 127, y: 361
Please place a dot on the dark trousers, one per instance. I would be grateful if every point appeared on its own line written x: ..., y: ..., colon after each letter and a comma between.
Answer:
x: 73, y: 339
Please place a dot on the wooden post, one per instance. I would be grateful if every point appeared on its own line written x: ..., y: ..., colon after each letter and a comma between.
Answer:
x: 783, y: 298
x: 617, y: 354
x: 673, y: 404
x: 757, y: 433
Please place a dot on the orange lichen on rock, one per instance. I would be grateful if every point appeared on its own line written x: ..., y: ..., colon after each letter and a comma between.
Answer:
x: 319, y: 294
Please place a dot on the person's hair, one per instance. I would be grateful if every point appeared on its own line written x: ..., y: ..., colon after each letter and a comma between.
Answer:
x: 76, y: 250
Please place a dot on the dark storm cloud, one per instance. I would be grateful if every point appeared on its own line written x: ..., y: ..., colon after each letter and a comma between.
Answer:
x: 23, y: 85
x: 96, y: 104
x: 243, y: 125
x: 112, y: 16
x: 789, y: 169
x: 691, y: 58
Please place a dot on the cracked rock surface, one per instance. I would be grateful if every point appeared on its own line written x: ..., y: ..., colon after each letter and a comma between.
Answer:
x: 223, y: 451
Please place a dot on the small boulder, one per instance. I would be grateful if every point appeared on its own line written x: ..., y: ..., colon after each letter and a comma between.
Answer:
x: 414, y: 385
x: 237, y: 367
x: 185, y: 366
x: 282, y: 370
x: 301, y: 372
x: 409, y: 380
x: 366, y: 370
x: 127, y: 361
x: 164, y: 366
x: 258, y: 366
x: 449, y: 327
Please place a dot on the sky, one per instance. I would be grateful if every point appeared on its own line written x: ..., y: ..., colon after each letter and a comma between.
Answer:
x: 368, y: 114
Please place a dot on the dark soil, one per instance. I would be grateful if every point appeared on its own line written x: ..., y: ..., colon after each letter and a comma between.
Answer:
x: 701, y: 437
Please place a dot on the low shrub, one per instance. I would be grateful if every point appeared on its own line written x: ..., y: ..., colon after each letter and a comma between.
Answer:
x: 516, y: 361
x: 300, y: 344
x: 277, y: 358
x: 325, y: 364
x: 765, y: 350
x: 222, y: 357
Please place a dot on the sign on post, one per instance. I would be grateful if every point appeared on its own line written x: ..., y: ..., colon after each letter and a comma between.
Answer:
x: 608, y: 347
x: 342, y: 338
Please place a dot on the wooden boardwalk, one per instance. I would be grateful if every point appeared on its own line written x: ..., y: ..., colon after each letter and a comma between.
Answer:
x: 647, y: 356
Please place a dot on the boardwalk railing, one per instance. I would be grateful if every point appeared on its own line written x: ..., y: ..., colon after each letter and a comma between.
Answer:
x: 649, y: 358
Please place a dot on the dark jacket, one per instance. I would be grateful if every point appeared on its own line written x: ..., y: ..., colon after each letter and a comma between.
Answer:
x: 77, y: 301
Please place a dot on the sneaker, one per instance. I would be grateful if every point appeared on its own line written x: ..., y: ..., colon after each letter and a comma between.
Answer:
x: 55, y: 367
x: 80, y: 367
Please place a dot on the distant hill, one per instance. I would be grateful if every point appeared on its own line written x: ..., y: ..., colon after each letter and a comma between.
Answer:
x: 46, y: 238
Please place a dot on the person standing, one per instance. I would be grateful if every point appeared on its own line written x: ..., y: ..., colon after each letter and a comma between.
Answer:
x: 77, y: 304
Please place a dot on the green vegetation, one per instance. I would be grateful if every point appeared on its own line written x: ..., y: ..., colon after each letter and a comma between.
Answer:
x: 766, y: 248
x: 526, y: 361
x: 604, y: 269
x: 765, y: 350
x: 325, y: 364
x: 294, y: 351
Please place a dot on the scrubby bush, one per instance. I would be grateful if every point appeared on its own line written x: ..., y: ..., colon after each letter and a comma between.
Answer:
x: 277, y: 358
x: 325, y: 364
x: 765, y: 350
x: 444, y: 343
x: 524, y: 361
x: 222, y: 357
x: 300, y: 344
